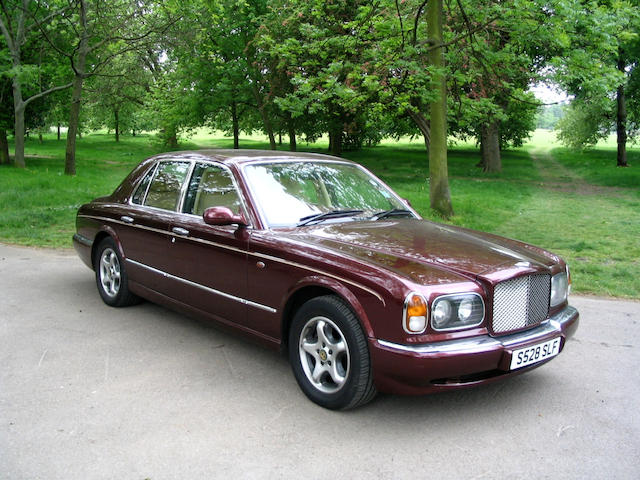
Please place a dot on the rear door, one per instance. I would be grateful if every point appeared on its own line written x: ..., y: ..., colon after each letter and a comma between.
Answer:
x: 145, y: 231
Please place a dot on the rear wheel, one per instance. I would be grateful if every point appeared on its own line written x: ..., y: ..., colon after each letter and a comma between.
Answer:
x: 329, y: 354
x: 111, y: 276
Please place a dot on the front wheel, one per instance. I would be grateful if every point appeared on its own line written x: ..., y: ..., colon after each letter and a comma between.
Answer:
x: 329, y: 354
x: 111, y: 276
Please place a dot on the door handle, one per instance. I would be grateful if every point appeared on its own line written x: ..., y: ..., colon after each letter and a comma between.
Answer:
x: 126, y: 219
x: 180, y: 231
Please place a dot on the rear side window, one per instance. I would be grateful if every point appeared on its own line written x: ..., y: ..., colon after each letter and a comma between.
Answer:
x: 164, y: 191
x: 138, y: 196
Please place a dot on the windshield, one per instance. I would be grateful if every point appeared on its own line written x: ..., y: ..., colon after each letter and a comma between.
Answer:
x: 290, y: 193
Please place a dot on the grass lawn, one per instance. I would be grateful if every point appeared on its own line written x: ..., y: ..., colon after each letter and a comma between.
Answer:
x: 577, y: 204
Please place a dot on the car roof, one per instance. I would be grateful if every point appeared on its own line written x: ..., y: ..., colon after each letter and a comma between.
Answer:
x: 244, y: 156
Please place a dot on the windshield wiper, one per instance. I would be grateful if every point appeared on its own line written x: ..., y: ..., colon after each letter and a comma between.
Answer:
x: 394, y: 212
x: 323, y: 216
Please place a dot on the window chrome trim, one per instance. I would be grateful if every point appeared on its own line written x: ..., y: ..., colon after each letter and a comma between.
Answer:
x: 156, y: 167
x: 221, y: 166
x: 484, y: 312
x: 185, y: 186
x: 151, y: 171
x: 244, y: 301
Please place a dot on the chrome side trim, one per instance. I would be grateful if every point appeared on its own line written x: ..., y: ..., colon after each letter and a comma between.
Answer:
x: 120, y: 222
x: 202, y: 287
x: 82, y: 239
x: 470, y: 345
x: 234, y: 249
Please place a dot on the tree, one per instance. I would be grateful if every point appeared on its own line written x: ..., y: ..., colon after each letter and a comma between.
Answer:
x: 599, y: 72
x: 351, y: 61
x: 117, y: 95
x: 438, y: 175
x: 102, y: 31
x: 19, y: 25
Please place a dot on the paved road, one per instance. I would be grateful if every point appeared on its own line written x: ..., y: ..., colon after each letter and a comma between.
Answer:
x: 88, y: 392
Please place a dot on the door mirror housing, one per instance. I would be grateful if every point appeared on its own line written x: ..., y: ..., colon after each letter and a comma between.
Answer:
x: 223, y: 216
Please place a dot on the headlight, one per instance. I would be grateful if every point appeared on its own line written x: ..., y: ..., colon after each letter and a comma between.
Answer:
x: 463, y: 310
x: 559, y: 288
x: 414, y: 317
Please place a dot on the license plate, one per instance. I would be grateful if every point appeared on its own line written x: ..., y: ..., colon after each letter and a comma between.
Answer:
x: 535, y: 353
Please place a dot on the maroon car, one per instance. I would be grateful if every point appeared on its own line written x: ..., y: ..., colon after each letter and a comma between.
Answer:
x: 314, y: 255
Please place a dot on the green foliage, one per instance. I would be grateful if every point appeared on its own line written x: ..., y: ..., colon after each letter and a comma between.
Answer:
x: 603, y: 55
x: 549, y: 115
x: 585, y: 123
x: 564, y: 214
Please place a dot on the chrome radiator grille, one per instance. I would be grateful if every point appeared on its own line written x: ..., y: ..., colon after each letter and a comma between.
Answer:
x: 521, y: 302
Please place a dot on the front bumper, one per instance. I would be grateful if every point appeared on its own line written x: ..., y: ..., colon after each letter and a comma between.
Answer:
x: 431, y: 367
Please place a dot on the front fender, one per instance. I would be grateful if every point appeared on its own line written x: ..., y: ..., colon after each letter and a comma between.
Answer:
x: 315, y: 281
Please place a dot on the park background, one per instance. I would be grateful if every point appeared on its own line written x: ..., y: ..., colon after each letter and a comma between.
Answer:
x: 435, y: 97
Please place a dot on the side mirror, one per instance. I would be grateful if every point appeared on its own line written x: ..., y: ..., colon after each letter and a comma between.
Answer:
x: 223, y: 216
x: 407, y: 202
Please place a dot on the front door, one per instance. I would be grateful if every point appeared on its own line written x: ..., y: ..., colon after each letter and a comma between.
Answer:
x: 211, y: 260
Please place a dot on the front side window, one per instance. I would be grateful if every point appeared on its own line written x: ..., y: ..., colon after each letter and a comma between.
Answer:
x: 164, y: 191
x: 288, y: 192
x: 211, y: 186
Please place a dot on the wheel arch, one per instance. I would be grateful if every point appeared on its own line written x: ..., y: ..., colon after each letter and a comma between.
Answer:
x: 105, y: 232
x: 313, y: 287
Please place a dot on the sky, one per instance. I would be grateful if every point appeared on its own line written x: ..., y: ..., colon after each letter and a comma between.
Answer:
x: 547, y: 94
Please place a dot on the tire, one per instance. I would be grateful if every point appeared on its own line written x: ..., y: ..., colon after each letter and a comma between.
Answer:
x: 111, y: 276
x: 329, y: 355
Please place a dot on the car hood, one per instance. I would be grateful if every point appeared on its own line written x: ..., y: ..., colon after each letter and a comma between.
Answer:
x: 414, y: 248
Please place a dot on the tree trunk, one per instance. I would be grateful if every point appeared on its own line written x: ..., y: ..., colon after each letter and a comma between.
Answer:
x: 14, y: 40
x: 58, y: 131
x: 18, y: 136
x: 72, y: 132
x: 116, y: 119
x: 293, y: 146
x: 171, y: 137
x: 76, y: 94
x: 40, y: 140
x: 236, y: 128
x: 480, y: 164
x: 4, y: 148
x: 18, y: 129
x: 439, y: 195
x: 423, y: 125
x: 621, y: 118
x: 490, y: 141
x: 266, y: 121
x: 336, y: 141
